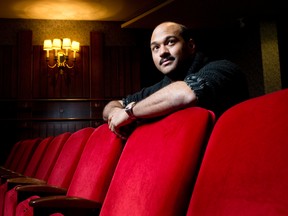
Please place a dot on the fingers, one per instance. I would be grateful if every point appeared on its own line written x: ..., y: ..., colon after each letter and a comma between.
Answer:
x: 120, y: 135
x: 117, y: 133
x: 114, y: 129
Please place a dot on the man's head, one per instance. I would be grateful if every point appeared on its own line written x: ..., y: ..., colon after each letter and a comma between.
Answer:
x: 171, y: 47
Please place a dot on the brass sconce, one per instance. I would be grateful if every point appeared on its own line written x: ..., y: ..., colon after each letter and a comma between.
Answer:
x: 61, y: 49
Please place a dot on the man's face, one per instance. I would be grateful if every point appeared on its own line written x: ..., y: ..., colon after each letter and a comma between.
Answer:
x: 169, y: 50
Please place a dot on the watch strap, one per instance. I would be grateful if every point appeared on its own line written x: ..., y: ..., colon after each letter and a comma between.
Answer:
x: 129, y: 110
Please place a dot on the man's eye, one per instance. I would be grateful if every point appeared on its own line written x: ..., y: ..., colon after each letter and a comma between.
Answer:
x: 155, y: 48
x: 171, y: 42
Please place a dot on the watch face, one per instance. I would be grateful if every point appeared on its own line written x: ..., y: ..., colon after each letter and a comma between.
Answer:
x: 130, y: 106
x: 128, y: 109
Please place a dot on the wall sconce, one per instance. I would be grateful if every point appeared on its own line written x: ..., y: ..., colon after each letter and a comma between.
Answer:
x: 61, y: 49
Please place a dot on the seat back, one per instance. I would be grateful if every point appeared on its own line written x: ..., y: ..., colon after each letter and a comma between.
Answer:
x: 12, y: 160
x: 157, y: 167
x: 26, y: 152
x: 63, y: 168
x: 17, y: 154
x: 67, y: 161
x: 244, y: 169
x: 12, y: 155
x: 94, y: 170
x: 29, y: 148
x: 51, y: 154
x: 37, y: 156
x: 96, y: 166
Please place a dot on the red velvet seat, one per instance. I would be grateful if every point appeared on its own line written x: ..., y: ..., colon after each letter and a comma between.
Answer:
x: 12, y: 155
x: 33, y: 162
x: 244, y: 170
x: 94, y: 170
x: 23, y: 152
x: 62, y: 171
x: 37, y: 156
x: 27, y: 154
x: 11, y: 162
x: 20, y: 156
x: 156, y: 170
x: 51, y: 154
x: 45, y: 165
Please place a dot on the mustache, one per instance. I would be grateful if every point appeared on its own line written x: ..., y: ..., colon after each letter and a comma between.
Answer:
x: 166, y: 59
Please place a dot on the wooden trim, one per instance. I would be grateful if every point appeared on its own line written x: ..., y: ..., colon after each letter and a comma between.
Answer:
x: 97, y: 65
x: 24, y: 64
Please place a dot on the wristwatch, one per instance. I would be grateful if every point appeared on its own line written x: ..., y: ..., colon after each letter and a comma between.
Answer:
x: 129, y: 110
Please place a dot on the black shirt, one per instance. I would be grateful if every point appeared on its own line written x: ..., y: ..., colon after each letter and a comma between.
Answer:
x: 218, y: 84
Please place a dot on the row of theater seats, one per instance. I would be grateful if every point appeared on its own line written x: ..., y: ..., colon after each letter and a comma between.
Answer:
x: 186, y: 163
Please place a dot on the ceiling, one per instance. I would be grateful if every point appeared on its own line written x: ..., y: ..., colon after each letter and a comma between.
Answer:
x: 142, y: 13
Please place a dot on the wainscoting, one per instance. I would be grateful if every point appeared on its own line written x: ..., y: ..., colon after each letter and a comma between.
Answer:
x: 36, y: 101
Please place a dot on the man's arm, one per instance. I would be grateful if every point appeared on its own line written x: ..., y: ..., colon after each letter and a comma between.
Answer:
x: 110, y: 106
x: 173, y: 97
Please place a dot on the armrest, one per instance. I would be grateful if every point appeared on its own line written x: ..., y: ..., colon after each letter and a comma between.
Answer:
x: 65, y: 205
x: 4, y: 170
x: 12, y: 182
x: 26, y: 191
x: 6, y: 176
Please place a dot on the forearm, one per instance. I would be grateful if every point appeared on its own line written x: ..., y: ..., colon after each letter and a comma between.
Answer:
x: 171, y: 98
x: 167, y: 100
x: 109, y: 107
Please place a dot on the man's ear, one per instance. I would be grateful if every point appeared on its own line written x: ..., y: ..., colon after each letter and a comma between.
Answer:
x: 191, y: 45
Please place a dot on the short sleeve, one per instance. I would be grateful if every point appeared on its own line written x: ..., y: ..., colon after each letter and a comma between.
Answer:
x: 197, y: 84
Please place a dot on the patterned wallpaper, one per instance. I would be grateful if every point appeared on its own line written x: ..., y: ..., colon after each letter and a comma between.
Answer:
x: 270, y: 57
x: 76, y: 30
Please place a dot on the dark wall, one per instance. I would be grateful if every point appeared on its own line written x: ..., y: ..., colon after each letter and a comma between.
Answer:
x: 39, y: 101
x: 238, y: 43
x: 283, y: 50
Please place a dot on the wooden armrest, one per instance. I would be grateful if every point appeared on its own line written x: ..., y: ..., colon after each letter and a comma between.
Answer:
x: 25, y: 191
x: 11, y: 175
x: 65, y: 205
x: 4, y: 170
x: 4, y: 177
x: 12, y: 182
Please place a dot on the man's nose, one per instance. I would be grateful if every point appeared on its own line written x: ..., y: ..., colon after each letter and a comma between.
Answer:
x: 164, y: 51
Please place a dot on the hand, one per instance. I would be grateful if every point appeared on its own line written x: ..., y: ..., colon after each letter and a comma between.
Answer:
x: 118, y: 119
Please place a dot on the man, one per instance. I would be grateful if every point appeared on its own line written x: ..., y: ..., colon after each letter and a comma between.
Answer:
x: 190, y: 79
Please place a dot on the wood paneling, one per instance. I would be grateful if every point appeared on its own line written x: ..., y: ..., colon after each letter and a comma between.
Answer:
x: 37, y: 101
x: 8, y: 73
x: 49, y: 83
x: 122, y: 71
x: 97, y: 64
x: 24, y: 63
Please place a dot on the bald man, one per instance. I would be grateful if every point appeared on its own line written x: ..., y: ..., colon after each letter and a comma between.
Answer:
x: 190, y: 79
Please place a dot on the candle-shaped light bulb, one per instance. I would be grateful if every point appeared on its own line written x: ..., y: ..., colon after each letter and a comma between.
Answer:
x: 75, y: 47
x: 47, y: 46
